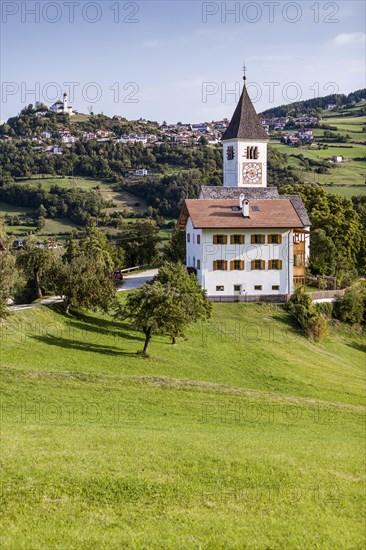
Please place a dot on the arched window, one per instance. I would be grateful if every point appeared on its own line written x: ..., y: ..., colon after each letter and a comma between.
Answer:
x: 252, y: 153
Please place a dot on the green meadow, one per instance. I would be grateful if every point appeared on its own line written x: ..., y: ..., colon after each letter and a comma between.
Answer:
x: 121, y: 199
x: 343, y: 176
x: 243, y: 435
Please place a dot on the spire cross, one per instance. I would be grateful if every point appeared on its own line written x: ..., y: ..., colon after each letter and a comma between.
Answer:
x: 245, y: 72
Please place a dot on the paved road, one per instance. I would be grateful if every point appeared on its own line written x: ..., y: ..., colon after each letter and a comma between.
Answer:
x: 135, y: 281
x: 45, y: 302
x: 129, y: 282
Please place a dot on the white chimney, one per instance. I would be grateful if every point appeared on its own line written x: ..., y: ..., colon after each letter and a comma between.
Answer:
x: 244, y: 204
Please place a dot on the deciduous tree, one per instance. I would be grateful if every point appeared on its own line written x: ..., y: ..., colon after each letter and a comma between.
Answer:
x: 167, y: 305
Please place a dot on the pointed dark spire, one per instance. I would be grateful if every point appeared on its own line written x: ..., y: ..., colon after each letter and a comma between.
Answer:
x: 245, y: 123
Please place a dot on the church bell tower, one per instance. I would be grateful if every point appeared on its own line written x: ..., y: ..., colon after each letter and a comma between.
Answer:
x: 245, y: 147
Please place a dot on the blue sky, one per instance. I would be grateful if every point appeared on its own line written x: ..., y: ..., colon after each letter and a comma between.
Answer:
x: 178, y: 61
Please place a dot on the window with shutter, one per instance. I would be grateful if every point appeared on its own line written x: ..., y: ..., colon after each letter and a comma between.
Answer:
x: 258, y: 264
x: 220, y: 265
x: 275, y: 264
x: 237, y: 264
x: 198, y: 239
x: 274, y: 239
x: 257, y: 239
x: 220, y: 239
x: 237, y: 239
x: 298, y: 260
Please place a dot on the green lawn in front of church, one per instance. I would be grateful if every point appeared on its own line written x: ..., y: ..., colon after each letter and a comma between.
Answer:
x: 245, y: 435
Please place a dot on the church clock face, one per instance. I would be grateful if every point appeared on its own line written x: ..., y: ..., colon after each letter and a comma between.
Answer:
x: 252, y: 173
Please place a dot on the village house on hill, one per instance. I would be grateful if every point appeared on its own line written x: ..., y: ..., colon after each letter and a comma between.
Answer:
x: 244, y: 240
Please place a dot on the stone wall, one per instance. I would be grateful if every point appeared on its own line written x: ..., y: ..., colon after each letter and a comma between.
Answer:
x: 272, y: 298
x: 323, y: 294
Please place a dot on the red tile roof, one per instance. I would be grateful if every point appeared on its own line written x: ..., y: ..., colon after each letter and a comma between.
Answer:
x: 217, y: 214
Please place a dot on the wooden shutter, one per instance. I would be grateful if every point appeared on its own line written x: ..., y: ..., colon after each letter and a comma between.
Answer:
x: 215, y: 239
x: 269, y: 263
x: 215, y: 265
x: 231, y: 265
x: 224, y: 239
x: 225, y: 265
x: 263, y: 239
x: 252, y: 264
x: 252, y: 240
x: 278, y: 239
x: 242, y: 265
x: 241, y: 238
x: 279, y: 264
x: 263, y: 264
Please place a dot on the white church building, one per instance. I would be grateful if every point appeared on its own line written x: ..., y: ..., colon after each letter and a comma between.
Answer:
x: 62, y: 107
x: 245, y: 241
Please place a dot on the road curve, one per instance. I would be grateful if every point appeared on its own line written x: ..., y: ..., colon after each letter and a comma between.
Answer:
x: 45, y: 302
x: 131, y: 282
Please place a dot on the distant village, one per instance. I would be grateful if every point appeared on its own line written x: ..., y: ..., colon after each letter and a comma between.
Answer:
x: 298, y: 132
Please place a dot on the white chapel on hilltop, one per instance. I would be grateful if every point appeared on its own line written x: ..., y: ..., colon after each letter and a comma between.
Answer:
x: 245, y: 241
x: 62, y: 107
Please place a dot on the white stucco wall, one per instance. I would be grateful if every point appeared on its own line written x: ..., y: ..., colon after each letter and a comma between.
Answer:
x: 207, y: 253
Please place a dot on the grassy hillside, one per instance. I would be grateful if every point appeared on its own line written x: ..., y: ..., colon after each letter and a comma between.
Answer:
x: 122, y: 200
x: 245, y: 435
x: 347, y: 178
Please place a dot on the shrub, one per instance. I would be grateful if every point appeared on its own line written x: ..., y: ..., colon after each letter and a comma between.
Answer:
x: 350, y: 307
x: 3, y: 311
x: 308, y: 315
x: 317, y: 328
x: 325, y: 308
x: 301, y: 307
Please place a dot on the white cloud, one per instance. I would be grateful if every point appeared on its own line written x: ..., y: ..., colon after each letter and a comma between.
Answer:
x: 344, y: 39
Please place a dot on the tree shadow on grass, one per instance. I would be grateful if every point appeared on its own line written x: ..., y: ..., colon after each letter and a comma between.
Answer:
x: 357, y: 346
x: 84, y: 316
x: 81, y: 346
x: 81, y: 320
x: 287, y: 320
x: 122, y: 334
